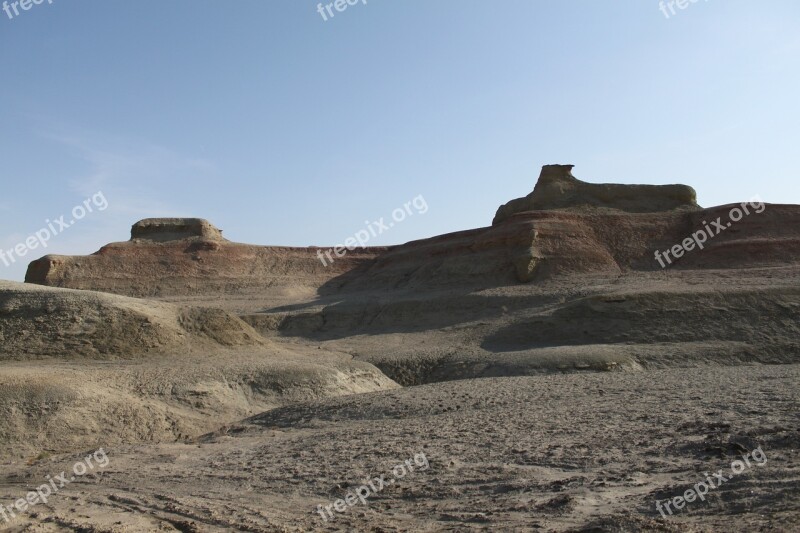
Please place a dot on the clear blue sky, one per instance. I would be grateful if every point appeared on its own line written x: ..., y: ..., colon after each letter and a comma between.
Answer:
x: 284, y: 129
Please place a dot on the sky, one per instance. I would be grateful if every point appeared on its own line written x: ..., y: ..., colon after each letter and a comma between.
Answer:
x: 284, y: 127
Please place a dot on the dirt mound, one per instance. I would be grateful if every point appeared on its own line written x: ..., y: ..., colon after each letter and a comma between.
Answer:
x: 766, y: 319
x: 638, y: 321
x: 557, y: 188
x: 50, y: 407
x: 79, y: 368
x: 46, y: 322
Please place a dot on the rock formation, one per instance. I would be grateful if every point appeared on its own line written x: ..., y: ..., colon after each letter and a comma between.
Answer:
x: 557, y: 188
x: 564, y: 227
x: 175, y: 229
x: 186, y: 256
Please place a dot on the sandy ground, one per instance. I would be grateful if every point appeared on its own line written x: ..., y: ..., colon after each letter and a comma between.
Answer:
x: 598, y: 396
x: 557, y: 452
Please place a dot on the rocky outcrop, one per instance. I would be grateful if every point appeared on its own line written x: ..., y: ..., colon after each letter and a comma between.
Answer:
x: 186, y: 257
x: 174, y: 229
x: 564, y: 227
x: 557, y: 188
x: 536, y: 246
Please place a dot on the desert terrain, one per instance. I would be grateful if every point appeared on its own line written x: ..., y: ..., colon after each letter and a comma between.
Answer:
x: 543, y: 373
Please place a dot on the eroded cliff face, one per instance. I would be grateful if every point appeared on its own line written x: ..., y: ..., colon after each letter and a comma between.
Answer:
x: 564, y: 227
x: 557, y: 188
x: 543, y: 245
x: 185, y: 257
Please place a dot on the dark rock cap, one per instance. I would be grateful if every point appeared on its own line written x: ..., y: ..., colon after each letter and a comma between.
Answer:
x: 174, y: 229
x: 557, y: 188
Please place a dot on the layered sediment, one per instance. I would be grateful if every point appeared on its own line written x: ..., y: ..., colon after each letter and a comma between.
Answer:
x: 186, y: 257
x: 565, y: 226
x: 557, y: 188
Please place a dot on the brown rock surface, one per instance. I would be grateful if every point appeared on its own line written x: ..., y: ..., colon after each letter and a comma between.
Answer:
x: 185, y: 257
x: 175, y: 229
x: 557, y: 188
x: 559, y: 230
